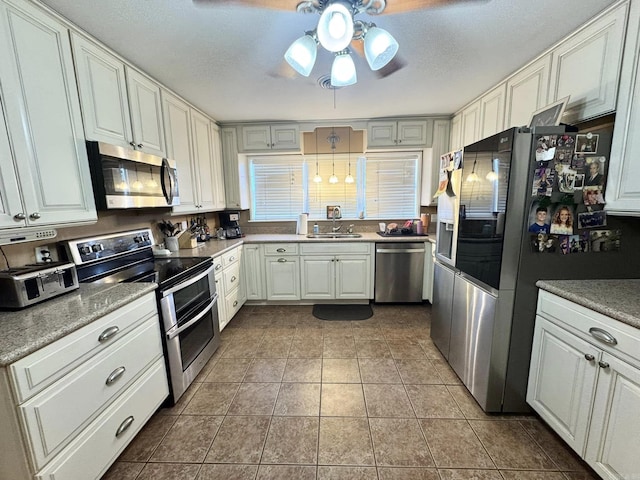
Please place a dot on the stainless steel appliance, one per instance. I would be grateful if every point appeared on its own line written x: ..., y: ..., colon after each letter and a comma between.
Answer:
x: 187, y: 298
x: 229, y: 222
x: 24, y: 286
x: 491, y: 313
x: 399, y: 272
x: 124, y: 178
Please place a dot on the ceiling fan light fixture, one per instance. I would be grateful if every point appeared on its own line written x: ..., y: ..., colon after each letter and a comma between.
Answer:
x: 379, y: 47
x: 301, y: 55
x: 343, y: 70
x: 335, y: 28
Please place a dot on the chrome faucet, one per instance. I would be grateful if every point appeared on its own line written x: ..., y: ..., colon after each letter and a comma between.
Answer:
x: 336, y: 214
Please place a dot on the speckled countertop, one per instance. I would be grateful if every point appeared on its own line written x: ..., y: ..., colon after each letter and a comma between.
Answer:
x: 25, y: 331
x: 617, y: 299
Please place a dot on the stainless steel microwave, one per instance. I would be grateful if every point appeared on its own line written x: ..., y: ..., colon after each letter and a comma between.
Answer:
x: 125, y: 178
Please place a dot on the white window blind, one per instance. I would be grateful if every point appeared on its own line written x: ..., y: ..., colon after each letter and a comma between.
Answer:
x: 323, y: 194
x: 484, y: 198
x: 391, y: 185
x: 277, y: 187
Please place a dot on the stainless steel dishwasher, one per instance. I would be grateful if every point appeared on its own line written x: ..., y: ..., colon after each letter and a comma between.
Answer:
x: 399, y: 272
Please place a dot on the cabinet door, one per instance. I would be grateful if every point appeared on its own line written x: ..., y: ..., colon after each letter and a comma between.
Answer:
x: 317, y: 274
x: 587, y: 67
x: 253, y: 272
x: 623, y: 188
x: 256, y: 137
x: 229, y: 139
x: 527, y: 92
x: 283, y: 278
x: 353, y: 276
x: 492, y: 112
x: 218, y: 173
x: 562, y: 381
x: 43, y: 116
x: 145, y: 106
x: 10, y: 203
x: 103, y: 93
x: 412, y: 133
x: 614, y: 443
x: 470, y: 124
x: 203, y: 160
x: 177, y: 127
x: 427, y: 283
x: 431, y: 161
x: 382, y: 134
x: 222, y: 294
x: 285, y: 137
x: 456, y: 133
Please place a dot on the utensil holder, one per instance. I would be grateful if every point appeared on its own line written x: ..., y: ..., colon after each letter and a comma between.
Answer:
x: 172, y: 244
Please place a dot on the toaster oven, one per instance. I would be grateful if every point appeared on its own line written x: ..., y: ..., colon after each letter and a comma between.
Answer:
x: 24, y: 286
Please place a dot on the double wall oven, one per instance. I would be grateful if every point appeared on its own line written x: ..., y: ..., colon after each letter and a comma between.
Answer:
x: 187, y: 298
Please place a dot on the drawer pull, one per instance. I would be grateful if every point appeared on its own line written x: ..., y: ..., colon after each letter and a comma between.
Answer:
x: 232, y: 259
x: 124, y: 426
x: 235, y: 304
x: 281, y: 250
x: 233, y: 279
x: 115, y: 375
x: 603, y: 335
x: 108, y: 333
x: 603, y: 364
x: 218, y: 266
x: 589, y: 357
x: 282, y: 260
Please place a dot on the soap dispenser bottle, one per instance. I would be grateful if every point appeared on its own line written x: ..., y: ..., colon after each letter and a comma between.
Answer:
x: 316, y: 228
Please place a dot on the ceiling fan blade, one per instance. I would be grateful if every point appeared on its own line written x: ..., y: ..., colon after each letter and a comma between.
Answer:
x: 288, y: 5
x: 395, y: 64
x: 401, y: 6
x: 358, y: 47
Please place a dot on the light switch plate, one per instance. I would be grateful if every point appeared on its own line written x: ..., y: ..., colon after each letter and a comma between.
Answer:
x: 46, y: 254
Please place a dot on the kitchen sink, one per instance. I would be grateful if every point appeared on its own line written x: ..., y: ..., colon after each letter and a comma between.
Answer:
x: 334, y: 235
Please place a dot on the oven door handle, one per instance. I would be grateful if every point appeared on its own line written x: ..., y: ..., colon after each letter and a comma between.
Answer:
x: 175, y: 331
x: 186, y: 283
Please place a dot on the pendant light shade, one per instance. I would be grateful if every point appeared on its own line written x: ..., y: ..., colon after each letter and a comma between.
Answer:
x: 379, y: 47
x: 301, y: 55
x: 335, y: 28
x: 343, y: 70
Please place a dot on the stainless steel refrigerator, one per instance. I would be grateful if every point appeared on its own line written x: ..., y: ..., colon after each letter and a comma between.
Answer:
x: 484, y: 304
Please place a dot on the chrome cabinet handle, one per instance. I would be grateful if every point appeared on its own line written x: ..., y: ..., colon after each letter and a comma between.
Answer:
x: 108, y: 333
x: 603, y: 335
x: 124, y: 426
x: 282, y: 260
x: 603, y: 364
x: 139, y: 145
x: 132, y: 144
x: 233, y: 279
x: 589, y: 357
x: 235, y: 303
x: 115, y: 375
x: 34, y: 216
x: 20, y: 216
x: 218, y: 266
x: 232, y: 259
x: 281, y: 250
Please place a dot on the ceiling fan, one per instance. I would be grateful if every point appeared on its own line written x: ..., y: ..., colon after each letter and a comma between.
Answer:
x: 339, y: 32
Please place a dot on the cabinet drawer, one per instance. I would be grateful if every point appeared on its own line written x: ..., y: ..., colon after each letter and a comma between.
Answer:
x: 231, y: 277
x: 217, y: 264
x: 233, y: 303
x: 281, y: 249
x: 334, y: 248
x: 52, y: 417
x: 37, y: 371
x: 95, y: 449
x: 581, y: 320
x: 230, y: 257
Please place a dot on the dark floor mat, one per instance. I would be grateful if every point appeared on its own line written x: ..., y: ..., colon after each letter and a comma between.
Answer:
x: 342, y: 312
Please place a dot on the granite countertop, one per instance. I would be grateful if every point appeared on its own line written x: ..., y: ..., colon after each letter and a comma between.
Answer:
x: 617, y: 299
x: 25, y: 331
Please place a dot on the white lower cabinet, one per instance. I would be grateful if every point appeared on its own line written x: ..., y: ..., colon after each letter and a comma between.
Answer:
x: 585, y: 383
x: 335, y: 271
x: 282, y: 271
x: 227, y: 272
x: 72, y: 423
x: 253, y: 272
x: 429, y: 260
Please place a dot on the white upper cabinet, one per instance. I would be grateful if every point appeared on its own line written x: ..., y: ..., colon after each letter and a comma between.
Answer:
x: 236, y: 187
x: 400, y: 133
x: 264, y: 137
x: 527, y: 92
x: 492, y: 112
x: 119, y: 105
x: 43, y: 121
x: 219, y: 200
x: 586, y: 67
x: 471, y: 123
x: 623, y: 187
x: 456, y: 134
x: 203, y: 161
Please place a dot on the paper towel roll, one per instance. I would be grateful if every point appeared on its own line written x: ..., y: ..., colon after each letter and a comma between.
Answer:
x: 301, y: 228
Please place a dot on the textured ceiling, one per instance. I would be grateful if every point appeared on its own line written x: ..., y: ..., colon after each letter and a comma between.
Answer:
x: 227, y: 58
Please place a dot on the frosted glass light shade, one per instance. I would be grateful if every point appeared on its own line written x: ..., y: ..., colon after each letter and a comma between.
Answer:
x: 349, y: 179
x: 317, y: 178
x: 301, y: 55
x: 379, y: 47
x: 335, y: 28
x: 333, y: 179
x: 343, y: 71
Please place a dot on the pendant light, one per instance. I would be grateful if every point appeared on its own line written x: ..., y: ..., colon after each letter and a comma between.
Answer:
x: 317, y: 178
x: 473, y: 176
x: 333, y: 138
x: 152, y: 183
x: 349, y: 178
x: 137, y: 185
x: 492, y: 176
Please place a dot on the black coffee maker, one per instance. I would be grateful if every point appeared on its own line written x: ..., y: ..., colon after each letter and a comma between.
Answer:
x: 229, y: 223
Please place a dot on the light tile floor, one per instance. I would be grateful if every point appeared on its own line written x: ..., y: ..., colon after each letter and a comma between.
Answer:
x: 288, y: 396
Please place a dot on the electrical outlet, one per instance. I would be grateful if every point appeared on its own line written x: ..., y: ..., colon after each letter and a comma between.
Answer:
x: 46, y: 254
